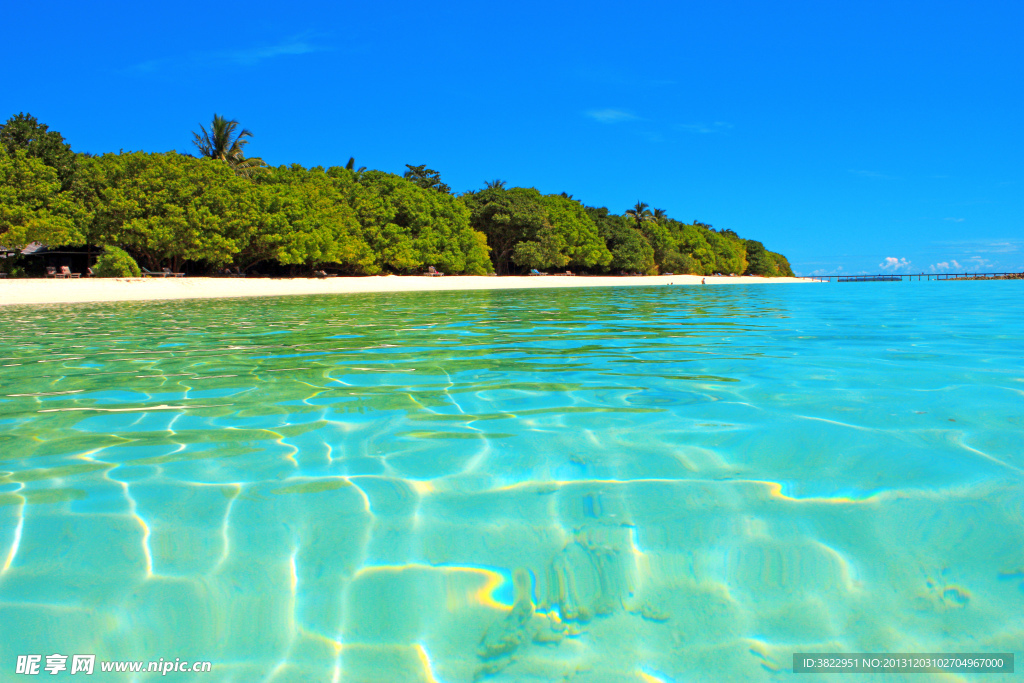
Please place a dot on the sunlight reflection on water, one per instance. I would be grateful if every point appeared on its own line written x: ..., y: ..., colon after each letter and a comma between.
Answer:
x: 673, y: 483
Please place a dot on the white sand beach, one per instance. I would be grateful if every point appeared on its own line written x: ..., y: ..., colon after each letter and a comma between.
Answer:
x: 69, y: 291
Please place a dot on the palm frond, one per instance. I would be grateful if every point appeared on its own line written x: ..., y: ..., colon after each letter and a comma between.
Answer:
x: 221, y: 141
x: 249, y: 167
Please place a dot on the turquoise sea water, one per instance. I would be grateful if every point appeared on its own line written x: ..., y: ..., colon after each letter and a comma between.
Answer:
x: 633, y: 484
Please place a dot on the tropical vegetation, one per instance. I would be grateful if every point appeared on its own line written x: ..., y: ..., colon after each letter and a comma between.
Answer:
x: 221, y: 209
x: 115, y: 262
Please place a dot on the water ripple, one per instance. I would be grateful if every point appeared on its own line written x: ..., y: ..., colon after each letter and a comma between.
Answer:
x: 632, y: 484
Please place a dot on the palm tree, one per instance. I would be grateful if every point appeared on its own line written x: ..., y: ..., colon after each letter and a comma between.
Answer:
x: 351, y: 165
x: 660, y: 215
x: 639, y: 214
x: 221, y: 142
x: 494, y: 184
x: 426, y: 178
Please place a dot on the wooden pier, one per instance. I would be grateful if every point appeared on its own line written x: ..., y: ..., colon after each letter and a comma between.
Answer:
x: 900, y: 277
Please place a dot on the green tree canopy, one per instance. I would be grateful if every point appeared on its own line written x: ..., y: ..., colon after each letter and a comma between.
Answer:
x: 32, y: 208
x: 759, y: 260
x: 659, y: 235
x: 410, y: 227
x: 693, y: 241
x: 166, y: 208
x: 781, y: 264
x: 426, y: 178
x: 631, y: 252
x: 639, y: 214
x: 225, y: 142
x: 308, y: 221
x: 506, y: 217
x: 24, y: 132
x: 116, y: 262
x: 568, y: 238
x: 730, y: 251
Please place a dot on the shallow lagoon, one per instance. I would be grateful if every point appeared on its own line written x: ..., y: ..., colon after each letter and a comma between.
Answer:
x: 636, y: 484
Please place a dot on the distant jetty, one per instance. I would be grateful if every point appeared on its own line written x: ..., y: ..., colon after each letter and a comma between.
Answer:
x: 889, y: 277
x: 989, y: 276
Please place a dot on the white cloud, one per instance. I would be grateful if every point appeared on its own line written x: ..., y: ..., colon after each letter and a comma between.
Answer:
x: 292, y: 46
x: 894, y: 264
x: 716, y: 127
x: 977, y: 263
x: 612, y: 116
x: 297, y: 45
x: 952, y: 265
x: 827, y: 271
x: 985, y: 246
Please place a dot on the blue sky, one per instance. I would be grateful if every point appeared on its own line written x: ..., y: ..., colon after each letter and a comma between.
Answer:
x: 852, y: 137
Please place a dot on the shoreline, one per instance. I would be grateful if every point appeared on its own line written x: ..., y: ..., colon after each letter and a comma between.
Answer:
x: 39, y: 291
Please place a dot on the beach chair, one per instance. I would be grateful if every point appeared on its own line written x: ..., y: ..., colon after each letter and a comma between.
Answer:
x: 149, y: 273
x: 431, y: 271
x: 66, y: 272
x: 534, y: 271
x: 52, y: 272
x: 168, y: 273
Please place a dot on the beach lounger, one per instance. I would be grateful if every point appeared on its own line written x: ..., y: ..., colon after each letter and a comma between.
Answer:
x: 150, y: 273
x: 168, y: 273
x: 66, y: 272
x: 534, y: 271
x: 52, y: 272
x: 431, y: 271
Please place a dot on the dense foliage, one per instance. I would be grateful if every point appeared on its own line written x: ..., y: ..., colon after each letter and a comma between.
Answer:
x: 39, y: 142
x: 32, y: 207
x: 114, y: 262
x: 223, y: 210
